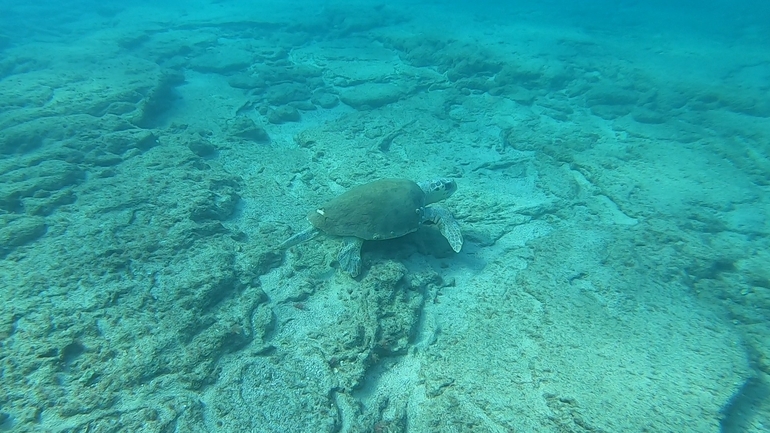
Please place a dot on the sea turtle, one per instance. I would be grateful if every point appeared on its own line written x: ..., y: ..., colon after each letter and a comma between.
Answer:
x: 383, y: 209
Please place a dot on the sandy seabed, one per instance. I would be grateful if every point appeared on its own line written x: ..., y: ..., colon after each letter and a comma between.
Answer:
x: 613, y: 194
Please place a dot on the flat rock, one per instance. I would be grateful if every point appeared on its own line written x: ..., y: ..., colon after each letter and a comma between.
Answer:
x: 281, y: 94
x: 245, y: 128
x: 20, y: 232
x: 283, y: 114
x: 222, y: 60
x: 372, y: 95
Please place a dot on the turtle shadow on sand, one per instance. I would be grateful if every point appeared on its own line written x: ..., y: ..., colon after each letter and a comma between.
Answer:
x: 380, y: 210
x: 426, y: 241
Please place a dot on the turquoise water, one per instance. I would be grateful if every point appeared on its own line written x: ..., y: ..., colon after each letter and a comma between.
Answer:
x: 612, y: 164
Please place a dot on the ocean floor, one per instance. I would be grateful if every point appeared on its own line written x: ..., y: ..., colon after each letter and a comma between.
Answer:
x: 613, y: 192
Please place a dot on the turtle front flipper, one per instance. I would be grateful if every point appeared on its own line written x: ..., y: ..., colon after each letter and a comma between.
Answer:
x: 350, y: 255
x: 447, y: 225
x: 303, y: 236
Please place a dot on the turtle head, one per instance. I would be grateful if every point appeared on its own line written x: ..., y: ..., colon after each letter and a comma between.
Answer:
x: 437, y: 189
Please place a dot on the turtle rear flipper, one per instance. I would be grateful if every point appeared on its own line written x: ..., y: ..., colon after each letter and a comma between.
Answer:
x: 447, y: 225
x: 350, y: 255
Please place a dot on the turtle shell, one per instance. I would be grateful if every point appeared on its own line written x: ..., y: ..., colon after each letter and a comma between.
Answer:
x: 383, y: 209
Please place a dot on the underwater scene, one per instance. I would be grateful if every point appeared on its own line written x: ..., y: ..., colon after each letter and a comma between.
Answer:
x: 345, y: 216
